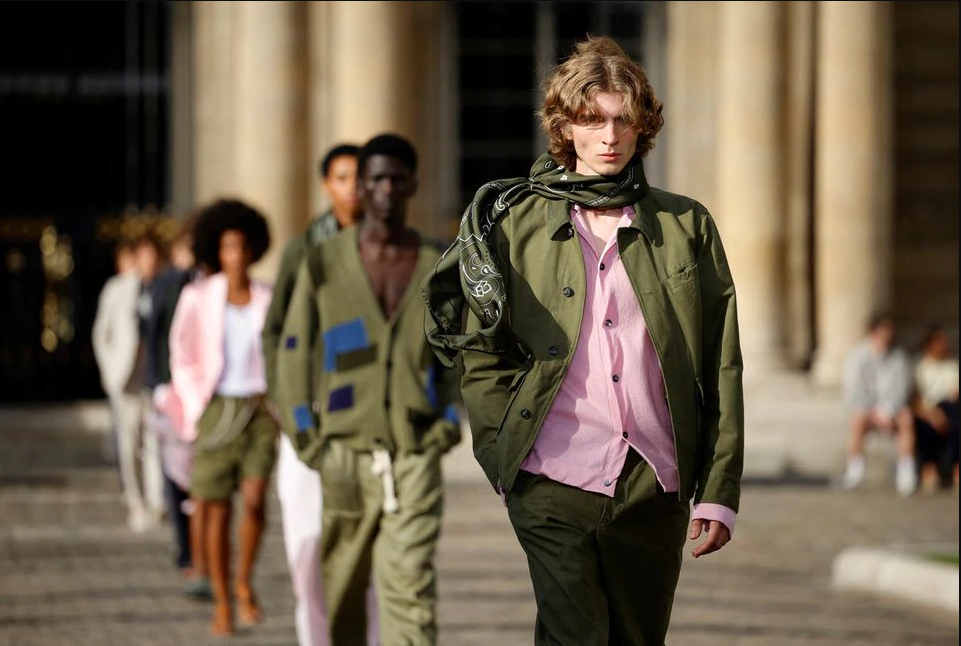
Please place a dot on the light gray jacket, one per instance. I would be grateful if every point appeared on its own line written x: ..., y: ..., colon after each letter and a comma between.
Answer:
x: 877, y: 381
x: 116, y: 332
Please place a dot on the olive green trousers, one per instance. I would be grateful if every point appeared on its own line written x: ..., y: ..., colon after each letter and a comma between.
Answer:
x: 358, y: 536
x: 604, y: 569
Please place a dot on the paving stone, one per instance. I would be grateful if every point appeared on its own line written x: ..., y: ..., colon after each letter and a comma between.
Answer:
x: 72, y: 573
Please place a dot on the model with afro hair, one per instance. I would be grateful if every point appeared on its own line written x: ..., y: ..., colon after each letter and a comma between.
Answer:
x: 217, y: 372
x: 228, y: 215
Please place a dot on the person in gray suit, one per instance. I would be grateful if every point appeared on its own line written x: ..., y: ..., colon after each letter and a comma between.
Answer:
x: 122, y: 311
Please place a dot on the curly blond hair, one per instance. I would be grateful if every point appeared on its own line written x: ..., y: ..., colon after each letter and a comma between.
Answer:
x: 597, y: 65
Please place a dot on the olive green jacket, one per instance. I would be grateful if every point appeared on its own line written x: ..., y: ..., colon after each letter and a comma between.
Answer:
x: 345, y: 372
x: 323, y: 227
x: 676, y: 264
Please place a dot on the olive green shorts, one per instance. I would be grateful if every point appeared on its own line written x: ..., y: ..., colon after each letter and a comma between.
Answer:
x: 236, y: 440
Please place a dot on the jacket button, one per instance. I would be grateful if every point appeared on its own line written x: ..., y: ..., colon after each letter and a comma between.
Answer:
x: 608, y: 323
x: 526, y: 414
x: 570, y: 230
x: 567, y: 291
x: 553, y: 351
x: 616, y: 378
x: 624, y: 435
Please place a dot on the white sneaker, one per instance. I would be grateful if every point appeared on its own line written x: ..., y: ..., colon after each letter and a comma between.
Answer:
x: 139, y: 521
x: 850, y: 480
x: 906, y: 480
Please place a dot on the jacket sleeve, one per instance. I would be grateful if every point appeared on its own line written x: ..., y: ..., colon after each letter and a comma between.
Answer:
x: 296, y: 386
x: 445, y: 432
x: 721, y: 390
x: 486, y: 387
x: 896, y: 382
x: 165, y: 315
x: 857, y: 392
x: 186, y: 369
x: 100, y: 334
x: 277, y: 311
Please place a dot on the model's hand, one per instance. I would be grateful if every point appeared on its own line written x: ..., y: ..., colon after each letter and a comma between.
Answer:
x: 939, y: 420
x: 717, y: 536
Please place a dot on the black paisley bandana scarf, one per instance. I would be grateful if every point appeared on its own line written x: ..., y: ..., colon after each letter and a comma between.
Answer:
x: 469, y: 273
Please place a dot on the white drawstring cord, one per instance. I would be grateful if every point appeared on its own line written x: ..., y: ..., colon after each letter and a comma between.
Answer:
x: 384, y: 467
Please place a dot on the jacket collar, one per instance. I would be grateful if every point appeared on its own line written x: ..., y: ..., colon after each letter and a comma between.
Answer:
x: 559, y: 225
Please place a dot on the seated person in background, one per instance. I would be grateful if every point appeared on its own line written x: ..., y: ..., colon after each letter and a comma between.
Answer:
x: 935, y: 408
x: 877, y: 382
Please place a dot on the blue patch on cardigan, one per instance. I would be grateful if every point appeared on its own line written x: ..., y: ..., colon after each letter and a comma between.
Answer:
x: 291, y: 342
x: 450, y: 414
x: 302, y: 418
x: 340, y: 339
x: 433, y: 399
x: 341, y: 398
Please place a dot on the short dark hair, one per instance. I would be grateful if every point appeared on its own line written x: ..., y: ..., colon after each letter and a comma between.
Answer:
x: 228, y: 215
x: 124, y: 245
x: 340, y: 150
x: 149, y: 238
x: 878, y: 319
x: 931, y: 334
x: 389, y: 145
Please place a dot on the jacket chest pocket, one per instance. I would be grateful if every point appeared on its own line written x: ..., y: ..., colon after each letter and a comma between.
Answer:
x: 684, y: 278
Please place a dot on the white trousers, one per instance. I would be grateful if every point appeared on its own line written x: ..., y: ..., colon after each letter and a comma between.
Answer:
x: 138, y: 455
x: 301, y: 504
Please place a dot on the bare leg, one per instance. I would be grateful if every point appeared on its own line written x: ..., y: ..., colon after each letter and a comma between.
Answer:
x: 198, y: 520
x: 217, y: 538
x: 904, y: 429
x: 860, y: 426
x: 251, y: 531
x: 907, y: 477
x: 930, y: 477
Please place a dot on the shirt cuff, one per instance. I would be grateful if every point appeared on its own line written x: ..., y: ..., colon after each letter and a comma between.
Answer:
x: 713, y: 511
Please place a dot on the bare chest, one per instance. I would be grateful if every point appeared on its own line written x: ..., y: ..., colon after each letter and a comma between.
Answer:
x: 389, y: 276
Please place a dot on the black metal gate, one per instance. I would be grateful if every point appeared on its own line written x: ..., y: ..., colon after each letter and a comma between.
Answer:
x: 84, y: 119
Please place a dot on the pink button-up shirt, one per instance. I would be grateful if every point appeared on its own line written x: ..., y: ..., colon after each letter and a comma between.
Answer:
x: 612, y: 398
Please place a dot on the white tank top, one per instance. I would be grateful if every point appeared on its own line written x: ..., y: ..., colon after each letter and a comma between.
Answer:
x: 241, y: 376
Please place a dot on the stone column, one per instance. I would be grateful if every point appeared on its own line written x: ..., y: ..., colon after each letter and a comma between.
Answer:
x: 654, y: 58
x: 181, y: 146
x: 391, y: 80
x: 750, y: 175
x: 798, y: 158
x: 214, y: 105
x: 690, y: 116
x: 271, y: 143
x: 853, y: 170
x: 373, y: 68
x: 435, y: 210
x: 320, y: 97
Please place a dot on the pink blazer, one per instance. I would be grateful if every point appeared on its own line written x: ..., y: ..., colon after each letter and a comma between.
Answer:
x: 197, y: 348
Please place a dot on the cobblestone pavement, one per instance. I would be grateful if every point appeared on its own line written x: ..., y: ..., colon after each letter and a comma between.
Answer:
x: 71, y: 573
